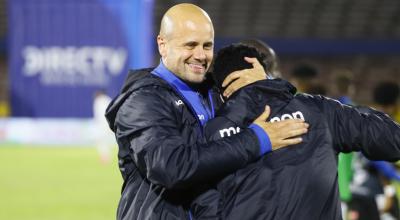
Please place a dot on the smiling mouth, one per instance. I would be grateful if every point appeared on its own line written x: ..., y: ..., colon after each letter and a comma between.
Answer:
x: 197, y: 68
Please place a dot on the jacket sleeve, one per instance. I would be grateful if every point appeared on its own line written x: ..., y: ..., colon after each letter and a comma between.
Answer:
x: 149, y: 125
x: 375, y: 134
x: 234, y: 117
x: 220, y: 127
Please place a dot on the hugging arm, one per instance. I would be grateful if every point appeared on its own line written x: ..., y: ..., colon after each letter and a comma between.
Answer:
x: 372, y: 132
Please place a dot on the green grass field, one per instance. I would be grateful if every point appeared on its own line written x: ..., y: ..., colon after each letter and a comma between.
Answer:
x: 56, y: 184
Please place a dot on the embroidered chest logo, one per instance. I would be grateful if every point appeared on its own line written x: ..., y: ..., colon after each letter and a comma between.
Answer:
x: 178, y: 102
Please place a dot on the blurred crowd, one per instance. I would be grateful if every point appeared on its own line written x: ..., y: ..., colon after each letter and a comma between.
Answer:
x: 369, y: 190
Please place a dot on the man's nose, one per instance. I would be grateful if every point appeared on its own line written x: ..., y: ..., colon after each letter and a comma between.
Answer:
x: 199, y: 53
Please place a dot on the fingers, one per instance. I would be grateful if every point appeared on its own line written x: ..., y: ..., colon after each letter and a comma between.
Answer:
x: 281, y: 143
x: 296, y: 132
x: 231, y: 77
x: 283, y: 133
x: 263, y: 117
x: 291, y: 141
x: 292, y: 124
x: 297, y: 126
x: 254, y: 62
x: 291, y: 128
x: 234, y: 86
x: 241, y: 78
x: 244, y: 78
x: 251, y: 60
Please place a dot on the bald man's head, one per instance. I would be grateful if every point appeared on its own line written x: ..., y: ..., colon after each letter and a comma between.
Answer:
x: 178, y: 15
x: 186, y: 42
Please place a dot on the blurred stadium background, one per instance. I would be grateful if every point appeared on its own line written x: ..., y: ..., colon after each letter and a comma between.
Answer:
x: 55, y: 54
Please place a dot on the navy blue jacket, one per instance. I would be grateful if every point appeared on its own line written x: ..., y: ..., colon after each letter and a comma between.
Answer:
x: 164, y: 159
x: 298, y: 182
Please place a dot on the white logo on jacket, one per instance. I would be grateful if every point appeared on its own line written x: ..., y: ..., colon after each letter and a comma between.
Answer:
x: 294, y: 115
x: 229, y: 131
x: 232, y: 130
x: 179, y: 102
x: 200, y: 116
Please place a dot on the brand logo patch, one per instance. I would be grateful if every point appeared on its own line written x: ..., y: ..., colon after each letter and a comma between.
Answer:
x: 229, y: 131
x: 294, y: 115
x: 179, y: 102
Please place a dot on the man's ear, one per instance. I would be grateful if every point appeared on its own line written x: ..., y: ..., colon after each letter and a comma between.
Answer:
x: 161, y: 45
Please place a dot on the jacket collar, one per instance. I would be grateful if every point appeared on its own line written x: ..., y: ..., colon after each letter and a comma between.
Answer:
x: 191, y: 97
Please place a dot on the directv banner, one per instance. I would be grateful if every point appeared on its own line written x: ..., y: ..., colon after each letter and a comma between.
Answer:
x: 62, y: 52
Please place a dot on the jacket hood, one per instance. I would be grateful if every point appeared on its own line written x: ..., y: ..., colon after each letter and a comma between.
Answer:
x: 136, y: 79
x: 133, y: 76
x: 278, y: 87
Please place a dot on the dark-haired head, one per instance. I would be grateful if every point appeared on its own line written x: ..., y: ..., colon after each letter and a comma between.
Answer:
x: 386, y: 93
x: 231, y: 58
x: 304, y: 72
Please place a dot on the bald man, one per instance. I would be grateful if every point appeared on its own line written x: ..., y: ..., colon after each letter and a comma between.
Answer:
x: 158, y: 121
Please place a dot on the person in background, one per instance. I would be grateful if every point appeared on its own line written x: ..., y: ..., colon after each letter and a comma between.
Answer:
x: 373, y: 190
x: 103, y: 137
x: 386, y: 96
x: 373, y: 195
x: 303, y: 77
x: 344, y: 86
x: 317, y: 89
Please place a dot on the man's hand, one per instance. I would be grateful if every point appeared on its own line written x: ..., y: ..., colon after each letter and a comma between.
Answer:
x: 282, y: 133
x: 241, y: 78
